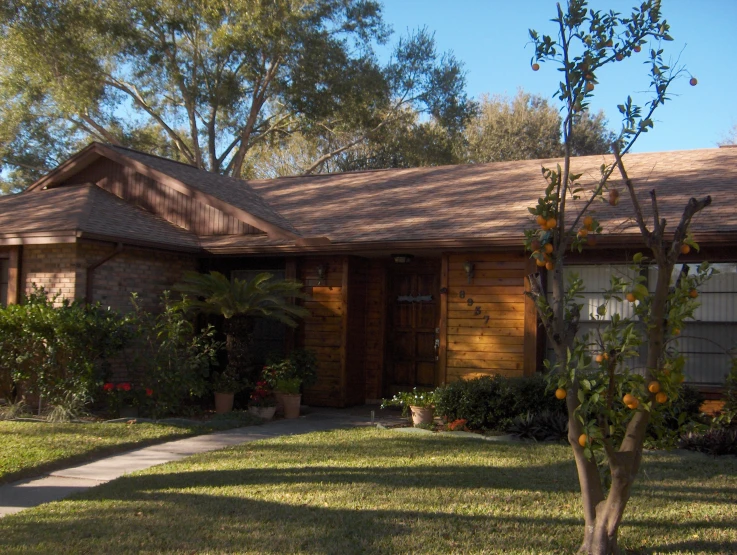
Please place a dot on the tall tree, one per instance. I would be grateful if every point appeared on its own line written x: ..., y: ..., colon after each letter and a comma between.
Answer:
x: 609, y: 404
x: 529, y: 127
x: 730, y: 138
x: 206, y: 81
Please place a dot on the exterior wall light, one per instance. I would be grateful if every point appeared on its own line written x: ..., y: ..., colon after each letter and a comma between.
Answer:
x: 402, y: 258
x: 321, y: 271
x: 468, y: 267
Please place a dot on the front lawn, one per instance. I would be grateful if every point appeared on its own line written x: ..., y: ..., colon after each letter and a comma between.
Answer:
x: 378, y: 491
x: 32, y: 448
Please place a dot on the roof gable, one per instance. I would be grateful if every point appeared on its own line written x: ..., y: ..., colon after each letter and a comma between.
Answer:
x: 170, y: 185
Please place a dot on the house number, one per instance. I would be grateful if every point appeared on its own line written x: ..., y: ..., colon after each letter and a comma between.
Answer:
x: 486, y: 319
x: 462, y: 294
x: 470, y: 302
x: 477, y: 311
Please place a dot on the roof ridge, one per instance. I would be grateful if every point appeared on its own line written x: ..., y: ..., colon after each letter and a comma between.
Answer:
x: 129, y: 149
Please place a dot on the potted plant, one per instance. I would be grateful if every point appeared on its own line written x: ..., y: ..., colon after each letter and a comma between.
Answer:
x: 291, y: 397
x: 262, y: 403
x: 420, y: 403
x: 299, y: 365
x: 225, y: 385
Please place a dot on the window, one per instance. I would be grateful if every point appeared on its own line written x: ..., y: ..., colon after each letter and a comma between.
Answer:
x: 707, y: 338
x: 4, y: 274
x: 269, y: 336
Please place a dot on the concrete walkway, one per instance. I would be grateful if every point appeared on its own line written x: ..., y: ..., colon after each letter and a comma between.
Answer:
x: 17, y: 496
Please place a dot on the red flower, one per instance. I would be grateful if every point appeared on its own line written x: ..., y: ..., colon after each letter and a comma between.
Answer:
x: 149, y: 392
x: 108, y: 386
x: 124, y: 387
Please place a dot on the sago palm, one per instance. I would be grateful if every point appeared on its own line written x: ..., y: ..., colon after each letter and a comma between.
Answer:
x: 240, y: 301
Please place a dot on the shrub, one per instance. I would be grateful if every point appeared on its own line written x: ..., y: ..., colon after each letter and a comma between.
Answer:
x: 542, y: 426
x: 716, y: 441
x: 173, y: 358
x: 492, y: 402
x: 55, y: 349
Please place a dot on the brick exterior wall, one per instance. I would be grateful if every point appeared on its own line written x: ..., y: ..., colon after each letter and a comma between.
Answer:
x: 145, y: 272
x: 53, y: 267
x: 63, y: 269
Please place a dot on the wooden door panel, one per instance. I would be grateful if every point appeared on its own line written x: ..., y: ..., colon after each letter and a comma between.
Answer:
x: 413, y: 326
x: 425, y: 374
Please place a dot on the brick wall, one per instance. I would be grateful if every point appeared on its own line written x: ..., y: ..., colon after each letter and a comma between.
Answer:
x: 145, y: 272
x: 53, y: 267
x: 63, y: 269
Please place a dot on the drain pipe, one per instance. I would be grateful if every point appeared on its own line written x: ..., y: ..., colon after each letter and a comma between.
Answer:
x: 91, y: 269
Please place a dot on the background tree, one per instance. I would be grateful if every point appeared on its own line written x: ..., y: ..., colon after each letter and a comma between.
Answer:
x: 528, y: 127
x: 730, y: 138
x: 608, y: 405
x: 207, y: 81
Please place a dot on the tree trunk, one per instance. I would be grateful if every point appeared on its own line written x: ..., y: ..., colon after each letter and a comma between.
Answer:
x: 238, y: 333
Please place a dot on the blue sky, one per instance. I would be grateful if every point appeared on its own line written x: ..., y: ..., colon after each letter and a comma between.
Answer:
x: 491, y: 38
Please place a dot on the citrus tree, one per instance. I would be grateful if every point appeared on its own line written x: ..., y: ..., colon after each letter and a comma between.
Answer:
x: 609, y: 404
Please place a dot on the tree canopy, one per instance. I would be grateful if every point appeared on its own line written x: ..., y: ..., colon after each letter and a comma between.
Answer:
x: 529, y: 127
x: 207, y: 81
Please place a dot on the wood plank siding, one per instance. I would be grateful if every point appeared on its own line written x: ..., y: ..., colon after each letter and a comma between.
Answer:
x: 321, y: 332
x: 161, y: 200
x: 485, y: 318
x: 375, y: 334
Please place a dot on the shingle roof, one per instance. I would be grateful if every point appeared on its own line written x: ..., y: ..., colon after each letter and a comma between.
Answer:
x: 484, y: 202
x: 491, y: 200
x: 233, y: 191
x: 88, y: 209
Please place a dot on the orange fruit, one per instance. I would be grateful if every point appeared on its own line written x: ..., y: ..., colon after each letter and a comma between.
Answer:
x: 653, y: 387
x: 661, y: 397
x: 633, y: 405
x: 551, y: 223
x: 693, y: 81
x: 637, y: 48
x: 539, y: 262
x: 599, y: 358
x: 549, y: 266
x: 560, y: 393
x: 583, y: 232
x: 631, y: 297
x: 588, y: 221
x: 628, y: 399
x: 614, y: 197
x: 540, y: 220
x: 535, y: 67
x: 693, y: 293
x: 535, y: 245
x: 548, y: 248
x: 619, y: 57
x: 589, y: 86
x: 583, y: 440
x: 685, y: 249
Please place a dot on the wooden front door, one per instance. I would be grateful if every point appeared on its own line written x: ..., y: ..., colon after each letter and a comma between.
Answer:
x: 414, y: 307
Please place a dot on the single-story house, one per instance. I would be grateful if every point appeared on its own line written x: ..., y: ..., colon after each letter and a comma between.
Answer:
x: 416, y: 276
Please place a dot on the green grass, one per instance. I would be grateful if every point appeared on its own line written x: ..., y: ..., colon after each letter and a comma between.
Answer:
x: 33, y: 448
x: 377, y: 491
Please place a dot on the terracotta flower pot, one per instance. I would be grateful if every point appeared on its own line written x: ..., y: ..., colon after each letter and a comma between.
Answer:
x: 278, y: 395
x: 291, y: 405
x: 267, y: 413
x: 223, y: 402
x: 422, y: 415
